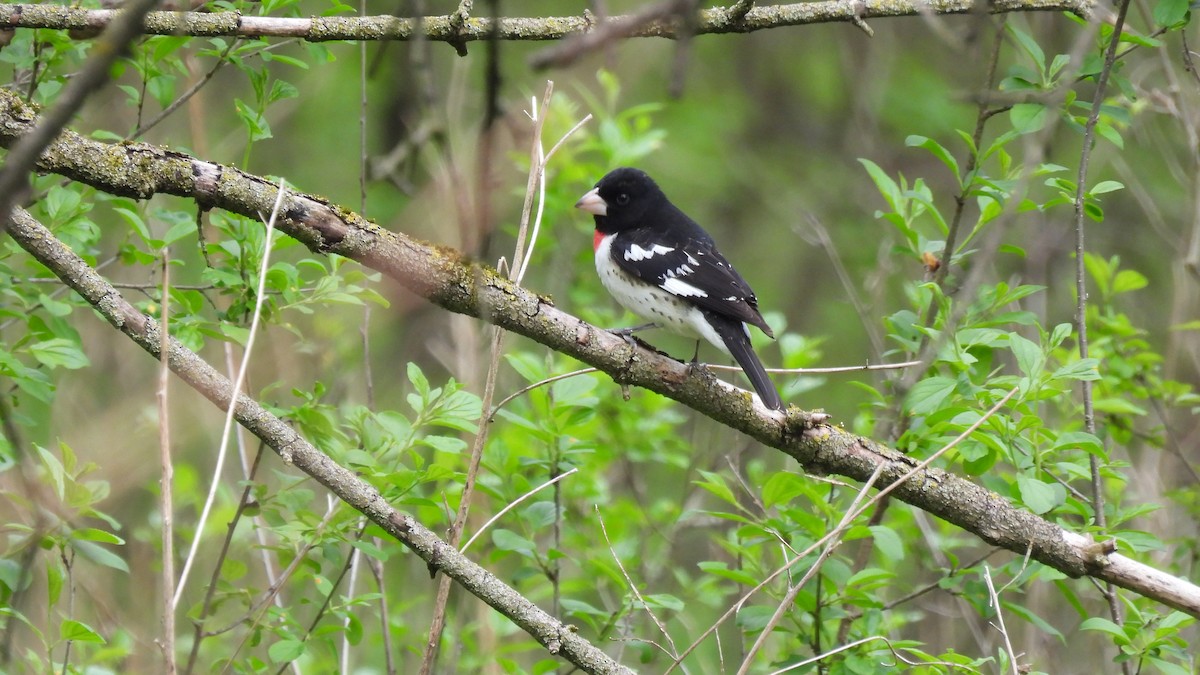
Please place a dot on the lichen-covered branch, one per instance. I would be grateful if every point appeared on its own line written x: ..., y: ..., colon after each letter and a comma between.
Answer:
x: 443, y: 277
x: 558, y: 638
x: 452, y: 28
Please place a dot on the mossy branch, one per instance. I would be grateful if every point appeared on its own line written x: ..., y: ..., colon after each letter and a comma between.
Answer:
x: 455, y: 30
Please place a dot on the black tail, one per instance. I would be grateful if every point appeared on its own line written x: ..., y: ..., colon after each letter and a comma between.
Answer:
x: 733, y: 334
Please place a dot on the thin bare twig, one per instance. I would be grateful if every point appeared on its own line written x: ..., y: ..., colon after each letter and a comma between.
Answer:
x: 857, y: 643
x: 535, y: 172
x: 513, y: 504
x: 543, y: 160
x: 540, y: 383
x: 826, y: 370
x: 994, y: 601
x: 673, y: 652
x: 238, y: 383
x: 166, y: 504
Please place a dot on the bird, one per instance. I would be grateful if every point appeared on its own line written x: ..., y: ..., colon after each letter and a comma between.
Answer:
x: 660, y: 264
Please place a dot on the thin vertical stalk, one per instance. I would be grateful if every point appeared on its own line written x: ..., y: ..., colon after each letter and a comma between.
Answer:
x: 1089, y: 413
x: 165, y: 498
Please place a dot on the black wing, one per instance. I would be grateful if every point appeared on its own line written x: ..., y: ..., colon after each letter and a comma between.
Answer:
x: 691, y: 267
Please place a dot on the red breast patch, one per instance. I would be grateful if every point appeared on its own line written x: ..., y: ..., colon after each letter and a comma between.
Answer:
x: 596, y: 239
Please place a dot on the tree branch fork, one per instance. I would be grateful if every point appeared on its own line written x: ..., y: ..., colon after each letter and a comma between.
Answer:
x: 442, y: 276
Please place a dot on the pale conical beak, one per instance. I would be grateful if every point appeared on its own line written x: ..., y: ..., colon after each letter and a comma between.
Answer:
x: 593, y: 203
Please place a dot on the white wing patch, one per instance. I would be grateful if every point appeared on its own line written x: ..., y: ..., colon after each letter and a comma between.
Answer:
x: 680, y: 287
x: 681, y: 271
x: 636, y: 253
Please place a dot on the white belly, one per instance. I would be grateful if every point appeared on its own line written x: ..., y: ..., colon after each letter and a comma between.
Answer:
x: 652, y: 303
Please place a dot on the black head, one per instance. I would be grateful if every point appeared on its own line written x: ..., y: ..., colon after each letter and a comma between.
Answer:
x: 622, y: 200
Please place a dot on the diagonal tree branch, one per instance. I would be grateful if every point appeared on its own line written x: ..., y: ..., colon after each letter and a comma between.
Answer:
x: 558, y: 638
x: 455, y: 29
x: 443, y: 277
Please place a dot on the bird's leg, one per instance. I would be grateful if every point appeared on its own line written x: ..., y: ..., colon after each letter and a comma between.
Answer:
x: 694, y: 364
x: 628, y: 334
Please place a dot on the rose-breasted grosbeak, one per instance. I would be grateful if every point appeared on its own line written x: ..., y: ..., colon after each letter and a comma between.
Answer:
x: 664, y: 267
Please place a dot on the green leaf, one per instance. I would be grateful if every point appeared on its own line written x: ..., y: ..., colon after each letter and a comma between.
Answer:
x: 573, y: 606
x: 53, y: 306
x: 1128, y: 280
x: 237, y: 334
x: 92, y: 534
x: 1117, y: 406
x: 256, y: 125
x: 666, y: 601
x: 754, y: 618
x: 1083, y: 369
x: 1060, y: 62
x: 1021, y: 610
x: 528, y: 365
x: 1029, y: 356
x: 1079, y: 439
x: 888, y: 542
x: 1109, y: 133
x: 418, y: 379
x: 1030, y: 45
x: 78, y: 631
x: 1170, y: 12
x: 99, y: 555
x: 371, y: 550
x: 58, y: 475
x: 1038, y: 496
x: 715, y: 484
x: 1027, y: 118
x: 453, y: 446
x: 936, y: 150
x: 59, y: 352
x: 1061, y: 332
x: 1106, y: 186
x: 1105, y: 626
x: 56, y: 577
x: 507, y: 540
x: 722, y: 570
x: 782, y: 487
x: 929, y: 394
x: 883, y: 182
x: 1176, y: 620
x: 286, y: 651
x: 1168, y: 668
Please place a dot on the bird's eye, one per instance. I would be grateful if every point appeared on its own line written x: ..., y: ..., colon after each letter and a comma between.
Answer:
x: 623, y: 199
